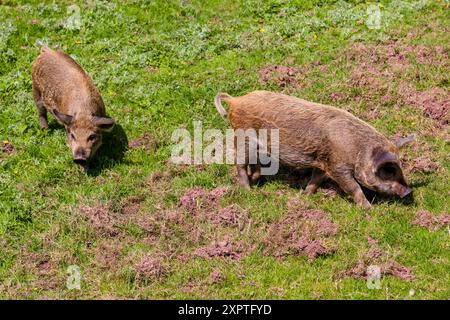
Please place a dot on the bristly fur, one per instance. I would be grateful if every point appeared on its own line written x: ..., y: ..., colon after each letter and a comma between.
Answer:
x: 335, y: 143
x: 63, y: 88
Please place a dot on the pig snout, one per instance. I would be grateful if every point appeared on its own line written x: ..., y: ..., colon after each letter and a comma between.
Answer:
x: 405, y: 191
x: 80, y: 157
x: 402, y: 191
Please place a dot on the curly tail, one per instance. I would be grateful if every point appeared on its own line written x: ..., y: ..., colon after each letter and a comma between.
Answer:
x: 218, y: 103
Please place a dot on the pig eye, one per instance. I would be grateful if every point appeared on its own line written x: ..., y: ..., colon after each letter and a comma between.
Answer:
x: 92, y: 137
x: 71, y: 135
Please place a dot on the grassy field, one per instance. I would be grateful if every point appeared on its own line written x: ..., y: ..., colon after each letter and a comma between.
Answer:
x: 138, y: 226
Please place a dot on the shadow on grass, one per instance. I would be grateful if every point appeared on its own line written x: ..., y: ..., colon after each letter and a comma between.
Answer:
x: 298, y: 179
x: 376, y: 198
x: 421, y: 183
x: 54, y: 125
x: 112, y: 151
x: 295, y: 178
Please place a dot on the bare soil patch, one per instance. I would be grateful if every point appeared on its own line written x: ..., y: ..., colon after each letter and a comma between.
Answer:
x: 108, y: 253
x: 435, y: 102
x: 7, y: 147
x: 44, y: 267
x: 282, y: 76
x: 149, y: 268
x: 377, y: 67
x: 146, y: 142
x: 216, y: 276
x: 197, y: 199
x: 430, y: 221
x: 231, y: 215
x: 375, y: 256
x: 101, y: 218
x: 302, y: 231
x: 131, y: 205
x: 225, y: 248
x: 424, y: 164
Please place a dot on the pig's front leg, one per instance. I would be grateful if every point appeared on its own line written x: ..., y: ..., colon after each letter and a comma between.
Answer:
x: 344, y: 178
x: 40, y: 107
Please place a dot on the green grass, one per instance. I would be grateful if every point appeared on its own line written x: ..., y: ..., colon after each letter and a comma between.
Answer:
x: 158, y: 65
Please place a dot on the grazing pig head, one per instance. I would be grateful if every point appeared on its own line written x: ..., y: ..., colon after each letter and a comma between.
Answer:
x: 379, y: 169
x: 84, y: 134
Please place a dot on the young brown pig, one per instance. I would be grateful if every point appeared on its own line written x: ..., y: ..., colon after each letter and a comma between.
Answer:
x: 63, y: 88
x: 333, y: 142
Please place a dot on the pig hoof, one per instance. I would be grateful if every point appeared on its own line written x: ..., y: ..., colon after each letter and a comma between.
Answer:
x: 365, y: 205
x: 309, y: 191
x: 43, y: 125
x: 244, y: 186
x: 83, y: 167
x: 254, y: 180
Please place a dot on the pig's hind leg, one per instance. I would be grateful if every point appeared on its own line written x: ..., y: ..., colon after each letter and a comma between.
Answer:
x: 244, y: 170
x: 243, y: 176
x: 254, y: 173
x: 344, y: 178
x: 40, y: 107
x: 318, y: 176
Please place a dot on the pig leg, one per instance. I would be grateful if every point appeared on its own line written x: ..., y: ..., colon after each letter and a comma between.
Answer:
x: 242, y: 176
x: 347, y: 182
x: 41, y: 110
x: 255, y: 173
x: 318, y: 176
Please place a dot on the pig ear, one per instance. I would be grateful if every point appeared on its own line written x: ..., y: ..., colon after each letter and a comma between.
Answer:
x: 385, y: 165
x: 62, y: 118
x: 382, y: 157
x: 104, y: 123
x: 401, y: 142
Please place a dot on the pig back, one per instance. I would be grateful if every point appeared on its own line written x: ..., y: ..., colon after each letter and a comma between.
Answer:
x: 311, y: 134
x: 64, y: 85
x: 302, y: 125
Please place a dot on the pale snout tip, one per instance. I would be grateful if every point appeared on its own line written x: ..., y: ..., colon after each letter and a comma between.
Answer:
x: 405, y: 192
